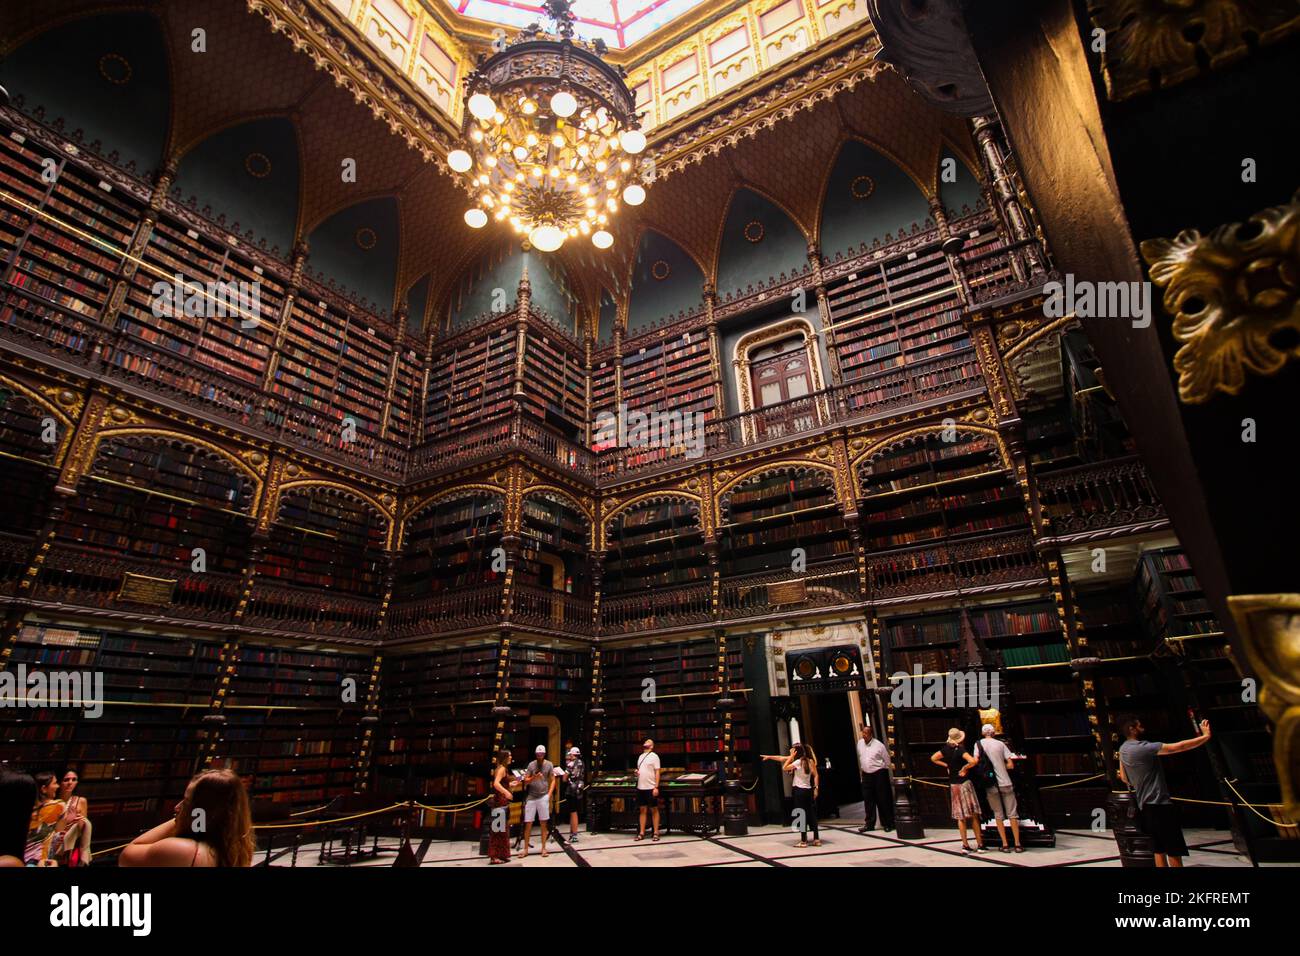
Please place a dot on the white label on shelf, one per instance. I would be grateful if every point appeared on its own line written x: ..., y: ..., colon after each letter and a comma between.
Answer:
x: 974, y: 233
x: 191, y: 233
x: 106, y: 186
x: 257, y: 269
x: 370, y: 331
x: 232, y: 240
x: 17, y: 137
x: 911, y: 256
x: 321, y: 304
x: 69, y: 148
x: 852, y: 276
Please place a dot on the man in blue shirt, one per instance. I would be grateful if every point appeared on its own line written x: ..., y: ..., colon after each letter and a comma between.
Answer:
x: 1140, y: 769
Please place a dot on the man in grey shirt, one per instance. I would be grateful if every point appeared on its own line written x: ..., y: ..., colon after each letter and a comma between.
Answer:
x: 539, y: 783
x: 1001, y: 792
x: 1140, y: 769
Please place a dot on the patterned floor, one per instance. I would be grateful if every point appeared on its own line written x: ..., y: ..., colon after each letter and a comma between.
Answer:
x: 773, y: 846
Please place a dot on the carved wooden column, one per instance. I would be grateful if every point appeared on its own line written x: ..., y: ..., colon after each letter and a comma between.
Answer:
x: 394, y: 366
x: 824, y: 311
x: 992, y: 151
x: 297, y: 263
x: 715, y: 349
x: 130, y: 262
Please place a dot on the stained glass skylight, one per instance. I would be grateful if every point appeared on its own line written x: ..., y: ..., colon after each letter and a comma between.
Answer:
x: 619, y: 23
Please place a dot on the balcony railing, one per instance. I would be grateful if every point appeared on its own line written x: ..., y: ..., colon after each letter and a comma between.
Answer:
x: 986, y: 562
x: 491, y: 439
x: 82, y: 578
x: 831, y: 584
x: 548, y: 608
x: 278, y: 607
x: 1098, y: 497
x: 651, y: 610
x: 912, y: 385
x: 460, y: 608
x: 102, y: 352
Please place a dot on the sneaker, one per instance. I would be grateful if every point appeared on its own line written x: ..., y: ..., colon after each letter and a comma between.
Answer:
x: 965, y: 850
x: 981, y: 849
x: 573, y: 838
x: 864, y: 829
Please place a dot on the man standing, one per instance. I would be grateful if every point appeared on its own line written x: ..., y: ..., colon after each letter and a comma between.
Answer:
x: 1001, y: 792
x: 647, y: 787
x: 539, y: 783
x: 873, y: 765
x: 1139, y: 769
x: 575, y: 773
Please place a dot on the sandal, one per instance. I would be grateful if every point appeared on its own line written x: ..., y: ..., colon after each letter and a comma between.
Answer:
x: 801, y: 845
x: 655, y: 838
x: 1020, y: 849
x: 639, y: 837
x: 817, y: 842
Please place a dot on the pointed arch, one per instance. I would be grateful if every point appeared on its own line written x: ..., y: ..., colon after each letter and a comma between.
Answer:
x: 770, y: 251
x: 664, y: 278
x: 873, y: 158
x: 360, y: 247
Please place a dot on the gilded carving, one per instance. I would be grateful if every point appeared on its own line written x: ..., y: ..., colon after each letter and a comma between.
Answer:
x: 1269, y: 625
x: 1161, y: 42
x: 1231, y: 294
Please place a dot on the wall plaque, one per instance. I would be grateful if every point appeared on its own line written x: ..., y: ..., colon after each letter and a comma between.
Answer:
x: 141, y: 589
x: 787, y: 592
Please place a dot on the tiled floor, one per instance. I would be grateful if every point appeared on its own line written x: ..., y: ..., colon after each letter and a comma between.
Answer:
x: 773, y: 846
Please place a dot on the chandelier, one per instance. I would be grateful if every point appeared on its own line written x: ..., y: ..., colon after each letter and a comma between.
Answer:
x: 550, y: 143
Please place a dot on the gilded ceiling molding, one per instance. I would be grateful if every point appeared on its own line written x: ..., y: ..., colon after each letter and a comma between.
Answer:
x: 330, y: 52
x: 1167, y: 40
x: 1269, y: 625
x: 1232, y: 294
x: 824, y: 80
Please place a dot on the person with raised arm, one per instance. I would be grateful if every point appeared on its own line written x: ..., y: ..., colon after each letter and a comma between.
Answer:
x: 1140, y: 769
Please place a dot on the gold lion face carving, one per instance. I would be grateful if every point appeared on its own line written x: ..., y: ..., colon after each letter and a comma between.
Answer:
x: 1233, y: 296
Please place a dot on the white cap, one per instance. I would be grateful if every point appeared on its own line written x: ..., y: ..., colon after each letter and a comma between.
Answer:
x: 540, y: 749
x: 574, y: 751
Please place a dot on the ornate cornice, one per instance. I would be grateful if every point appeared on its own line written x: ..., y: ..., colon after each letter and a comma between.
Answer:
x: 371, y: 85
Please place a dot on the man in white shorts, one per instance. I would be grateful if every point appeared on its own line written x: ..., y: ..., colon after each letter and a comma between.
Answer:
x: 1002, y: 798
x: 539, y: 784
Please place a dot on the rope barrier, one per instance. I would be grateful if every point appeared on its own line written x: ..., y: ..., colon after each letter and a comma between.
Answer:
x: 458, y: 808
x: 1251, y: 807
x: 1073, y: 783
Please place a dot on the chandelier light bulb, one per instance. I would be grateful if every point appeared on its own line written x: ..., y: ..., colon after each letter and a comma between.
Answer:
x: 634, y: 195
x: 557, y: 141
x: 632, y: 140
x: 546, y: 237
x: 475, y: 218
x: 529, y: 107
x: 459, y: 160
x: 481, y: 106
x: 520, y: 153
x: 564, y: 104
x: 601, y: 239
x: 476, y: 135
x: 626, y: 165
x: 537, y: 172
x: 530, y: 140
x: 498, y: 117
x: 601, y: 166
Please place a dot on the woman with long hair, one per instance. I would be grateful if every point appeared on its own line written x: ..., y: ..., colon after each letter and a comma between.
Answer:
x: 213, y: 826
x: 17, y: 797
x: 76, y: 818
x: 802, y: 763
x: 499, y: 838
x: 45, y: 827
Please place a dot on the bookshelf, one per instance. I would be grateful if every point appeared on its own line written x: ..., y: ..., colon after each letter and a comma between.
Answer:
x: 556, y: 391
x: 436, y: 730
x: 681, y: 718
x: 325, y: 540
x: 471, y: 379
x: 159, y: 501
x: 893, y: 313
x: 293, y: 721
x: 766, y: 517
x: 653, y: 545
x: 135, y: 758
x: 27, y: 472
x: 549, y: 675
x: 449, y: 545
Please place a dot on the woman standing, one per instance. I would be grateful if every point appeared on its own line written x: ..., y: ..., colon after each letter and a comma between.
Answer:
x: 45, y: 832
x: 17, y: 797
x: 76, y: 817
x: 499, y: 838
x: 958, y: 761
x: 213, y: 826
x: 802, y: 762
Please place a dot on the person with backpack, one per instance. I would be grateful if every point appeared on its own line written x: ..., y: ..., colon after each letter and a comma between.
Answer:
x: 959, y: 763
x: 993, y: 774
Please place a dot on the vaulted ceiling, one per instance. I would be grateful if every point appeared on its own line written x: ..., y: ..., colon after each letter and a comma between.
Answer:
x: 248, y: 72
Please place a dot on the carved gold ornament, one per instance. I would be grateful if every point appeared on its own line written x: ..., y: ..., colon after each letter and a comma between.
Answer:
x: 1233, y: 296
x: 1152, y: 43
x: 1269, y: 625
